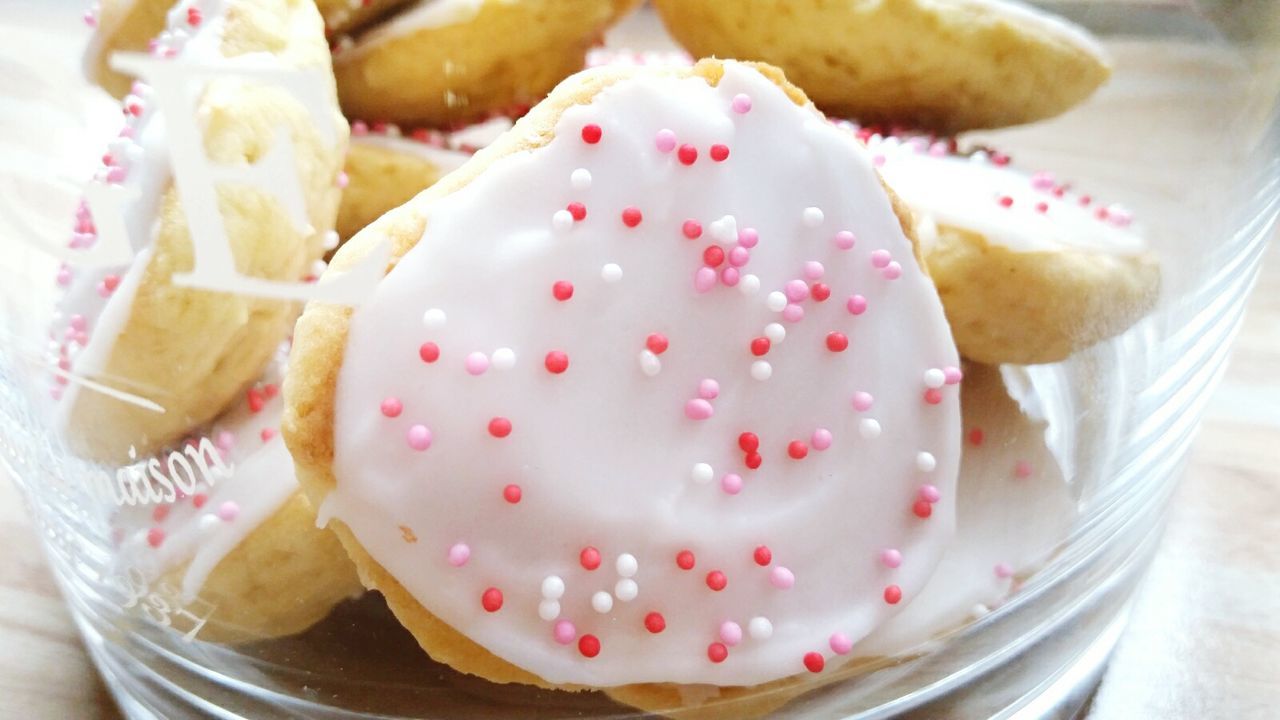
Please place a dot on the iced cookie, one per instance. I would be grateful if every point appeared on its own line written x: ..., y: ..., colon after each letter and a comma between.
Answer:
x: 1029, y: 270
x: 234, y: 537
x: 133, y: 26
x: 128, y: 328
x: 442, y: 63
x: 653, y: 383
x: 386, y: 167
x: 952, y: 65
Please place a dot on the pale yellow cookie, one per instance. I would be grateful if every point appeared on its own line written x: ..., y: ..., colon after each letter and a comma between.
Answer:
x: 951, y: 65
x: 449, y: 62
x: 190, y: 351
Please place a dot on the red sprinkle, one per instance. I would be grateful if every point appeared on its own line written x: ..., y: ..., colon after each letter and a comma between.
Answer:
x: 589, y: 557
x: 577, y: 210
x: 763, y: 555
x: 193, y: 17
x: 160, y: 513
x: 684, y: 560
x: 753, y: 460
x: 837, y: 342
x: 1006, y: 201
x: 499, y: 427
x: 713, y: 255
x: 717, y: 652
x: 512, y: 493
x: 655, y: 623
x: 797, y: 449
x: 820, y: 291
x: 657, y: 343
x: 631, y: 217
x: 591, y: 134
x: 716, y: 580
x: 814, y: 662
x: 199, y: 499
x: 429, y: 352
x: 719, y: 153
x: 267, y: 434
x: 562, y: 290
x: 760, y: 346
x: 688, y: 154
x: 491, y: 600
x: 556, y: 362
x: 155, y: 536
x: 749, y: 442
x: 922, y: 509
x: 933, y: 396
x: 589, y: 646
x: 692, y: 229
x: 1042, y: 207
x: 256, y: 400
x: 976, y: 436
x: 892, y: 594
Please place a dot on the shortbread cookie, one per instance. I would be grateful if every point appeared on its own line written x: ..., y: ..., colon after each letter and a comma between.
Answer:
x: 442, y: 63
x: 952, y: 65
x: 128, y: 327
x: 386, y: 167
x: 239, y: 544
x: 1029, y: 270
x: 651, y: 385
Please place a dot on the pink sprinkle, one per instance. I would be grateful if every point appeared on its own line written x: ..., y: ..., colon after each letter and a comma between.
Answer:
x: 782, y: 578
x: 821, y: 439
x: 564, y: 632
x: 880, y: 259
x: 708, y: 389
x: 55, y: 393
x: 665, y: 141
x: 730, y: 276
x: 64, y: 276
x: 730, y: 633
x: 1003, y: 570
x: 731, y: 483
x: 155, y: 536
x: 704, y: 279
x: 893, y: 271
x: 890, y: 558
x: 419, y: 437
x: 877, y: 161
x: 89, y: 19
x: 225, y: 440
x: 698, y: 409
x: 844, y: 240
x: 77, y: 322
x: 938, y: 149
x: 793, y: 313
x: 691, y: 229
x: 739, y: 256
x: 1022, y: 470
x: 741, y: 103
x: 929, y: 494
x: 391, y: 407
x: 748, y: 238
x: 459, y: 554
x: 796, y: 290
x: 476, y: 363
x: 116, y: 175
x: 813, y: 269
x: 359, y: 128
x: 1042, y: 181
x: 856, y: 305
x: 228, y: 511
x: 952, y: 374
x: 343, y: 179
x: 840, y: 644
x: 862, y: 401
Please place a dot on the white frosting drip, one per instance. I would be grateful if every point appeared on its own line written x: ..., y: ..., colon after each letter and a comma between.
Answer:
x: 423, y: 15
x: 603, y: 452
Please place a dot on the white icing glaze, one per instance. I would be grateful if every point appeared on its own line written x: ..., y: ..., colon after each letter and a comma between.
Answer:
x: 604, y: 452
x: 1021, y: 212
x: 191, y: 532
x: 442, y: 158
x: 1014, y: 507
x: 598, y: 56
x: 446, y: 150
x: 423, y: 15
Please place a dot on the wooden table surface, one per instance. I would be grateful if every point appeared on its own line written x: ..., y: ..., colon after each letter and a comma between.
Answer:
x: 1204, y: 639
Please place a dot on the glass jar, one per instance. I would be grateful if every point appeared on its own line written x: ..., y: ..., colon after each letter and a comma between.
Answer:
x: 1072, y: 461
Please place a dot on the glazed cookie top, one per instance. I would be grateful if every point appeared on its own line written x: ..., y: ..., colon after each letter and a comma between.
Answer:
x: 980, y: 192
x: 665, y: 399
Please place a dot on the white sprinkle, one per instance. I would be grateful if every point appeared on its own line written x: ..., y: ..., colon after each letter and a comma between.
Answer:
x: 869, y: 429
x: 393, y: 130
x: 649, y: 363
x: 602, y: 602
x: 775, y: 332
x: 318, y: 267
x: 434, y: 318
x: 926, y: 462
x: 749, y: 285
x: 330, y: 240
x: 503, y: 358
x: 626, y: 589
x: 813, y: 217
x: 979, y: 157
x: 552, y: 587
x: 776, y: 301
x: 549, y: 610
x: 611, y: 273
x: 580, y: 179
x: 208, y: 521
x: 561, y: 221
x: 760, y: 628
x: 979, y: 610
x: 725, y: 230
x: 627, y: 565
x: 702, y: 473
x: 934, y: 378
x: 761, y: 370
